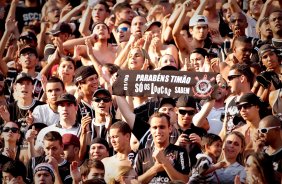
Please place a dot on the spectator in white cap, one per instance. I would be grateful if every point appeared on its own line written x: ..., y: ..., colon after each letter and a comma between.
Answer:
x: 198, y: 28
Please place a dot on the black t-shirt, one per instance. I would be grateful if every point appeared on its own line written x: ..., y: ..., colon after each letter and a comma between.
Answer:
x: 277, y: 160
x: 83, y: 110
x: 176, y: 155
x: 64, y: 169
x: 26, y: 15
x: 19, y: 115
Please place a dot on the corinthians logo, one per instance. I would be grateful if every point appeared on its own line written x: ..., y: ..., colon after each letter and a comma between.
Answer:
x: 203, y: 87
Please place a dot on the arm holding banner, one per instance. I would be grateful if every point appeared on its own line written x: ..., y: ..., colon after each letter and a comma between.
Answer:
x: 126, y: 111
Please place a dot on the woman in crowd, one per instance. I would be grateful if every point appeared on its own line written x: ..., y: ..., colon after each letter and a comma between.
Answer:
x: 11, y: 137
x: 233, y: 154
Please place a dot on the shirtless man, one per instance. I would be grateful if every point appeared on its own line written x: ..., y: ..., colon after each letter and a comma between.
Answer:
x: 101, y: 49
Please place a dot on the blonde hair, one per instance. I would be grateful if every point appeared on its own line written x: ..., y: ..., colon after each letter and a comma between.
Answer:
x: 122, y: 171
x: 144, y: 54
x: 241, y: 156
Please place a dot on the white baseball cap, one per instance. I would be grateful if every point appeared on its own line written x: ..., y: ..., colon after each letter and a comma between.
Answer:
x: 198, y: 20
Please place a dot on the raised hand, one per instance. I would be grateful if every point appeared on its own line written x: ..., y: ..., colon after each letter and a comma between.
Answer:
x: 4, y: 113
x: 11, y: 25
x: 75, y: 174
x: 67, y: 8
x: 29, y: 119
x: 31, y: 135
x: 85, y: 122
x: 145, y: 65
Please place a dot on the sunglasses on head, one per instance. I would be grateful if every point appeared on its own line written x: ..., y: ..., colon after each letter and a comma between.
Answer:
x: 265, y: 130
x: 245, y: 106
x: 13, y: 129
x: 184, y: 112
x: 231, y: 77
x: 123, y: 29
x: 106, y: 100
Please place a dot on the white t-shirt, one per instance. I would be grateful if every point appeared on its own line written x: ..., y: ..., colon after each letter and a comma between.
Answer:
x: 214, y: 120
x: 44, y: 114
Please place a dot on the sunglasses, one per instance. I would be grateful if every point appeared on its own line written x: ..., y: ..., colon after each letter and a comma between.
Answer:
x: 106, y: 100
x: 231, y: 77
x: 265, y: 130
x: 245, y: 106
x: 123, y: 29
x: 13, y: 129
x: 184, y: 112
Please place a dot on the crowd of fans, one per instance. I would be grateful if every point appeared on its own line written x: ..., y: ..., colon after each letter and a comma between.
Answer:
x: 61, y: 123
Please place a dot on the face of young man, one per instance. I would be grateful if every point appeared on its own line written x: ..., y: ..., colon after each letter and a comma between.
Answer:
x: 23, y: 89
x: 160, y: 130
x: 53, y: 13
x: 53, y: 148
x: 125, y: 14
x: 242, y: 52
x: 98, y: 151
x: 95, y: 173
x: 53, y: 91
x: 199, y: 32
x: 90, y: 84
x: 234, y: 81
x: 185, y: 116
x: 123, y: 32
x: 28, y: 60
x: 137, y: 24
x: 101, y: 30
x: 43, y: 177
x: 238, y: 24
x: 67, y: 111
x: 102, y: 104
x: 99, y: 13
x: 275, y: 21
x: 69, y: 152
x: 119, y: 140
x: 170, y: 111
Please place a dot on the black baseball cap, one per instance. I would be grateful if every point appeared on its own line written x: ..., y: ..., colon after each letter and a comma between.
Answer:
x: 83, y: 72
x: 186, y: 101
x: 28, y: 49
x: 249, y: 98
x: 102, y: 91
x: 28, y: 35
x: 66, y: 97
x: 170, y: 101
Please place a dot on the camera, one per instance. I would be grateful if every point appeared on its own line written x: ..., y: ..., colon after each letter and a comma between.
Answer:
x: 265, y: 79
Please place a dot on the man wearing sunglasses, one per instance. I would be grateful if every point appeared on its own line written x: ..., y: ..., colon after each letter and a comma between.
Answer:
x: 189, y: 134
x: 269, y: 135
x: 98, y: 126
x: 240, y: 78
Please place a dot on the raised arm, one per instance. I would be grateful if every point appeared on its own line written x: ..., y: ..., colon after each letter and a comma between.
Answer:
x: 126, y: 111
x: 234, y: 6
x: 201, y: 7
x: 85, y: 22
x: 264, y: 13
x: 178, y: 38
x: 74, y: 12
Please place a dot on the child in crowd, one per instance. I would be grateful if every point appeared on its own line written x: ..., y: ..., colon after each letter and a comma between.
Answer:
x: 203, y: 171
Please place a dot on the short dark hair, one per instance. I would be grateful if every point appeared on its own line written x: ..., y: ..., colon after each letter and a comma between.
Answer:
x: 241, y: 39
x: 56, y: 80
x: 159, y: 115
x: 53, y: 136
x: 88, y: 164
x: 124, y: 22
x: 122, y: 126
x: 15, y: 168
x: 113, y: 68
x: 67, y: 58
x: 208, y: 139
x: 121, y: 6
x: 245, y: 70
x: 103, y: 2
